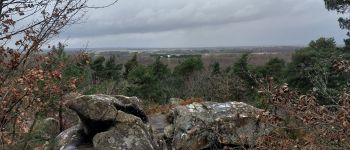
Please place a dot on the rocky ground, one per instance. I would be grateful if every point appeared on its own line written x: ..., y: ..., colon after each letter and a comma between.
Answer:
x: 119, y: 122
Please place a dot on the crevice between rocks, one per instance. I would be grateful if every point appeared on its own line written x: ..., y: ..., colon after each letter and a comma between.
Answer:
x: 132, y: 109
x: 92, y: 127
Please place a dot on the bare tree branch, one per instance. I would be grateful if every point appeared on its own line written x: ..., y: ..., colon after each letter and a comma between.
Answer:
x: 98, y: 7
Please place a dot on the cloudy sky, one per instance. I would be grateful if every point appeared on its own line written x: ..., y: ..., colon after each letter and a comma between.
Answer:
x: 203, y: 23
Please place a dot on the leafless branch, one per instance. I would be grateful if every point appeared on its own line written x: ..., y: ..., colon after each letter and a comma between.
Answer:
x: 108, y: 5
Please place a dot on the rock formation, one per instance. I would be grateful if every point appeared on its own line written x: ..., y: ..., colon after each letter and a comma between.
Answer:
x: 118, y: 122
x: 210, y: 125
x: 107, y: 123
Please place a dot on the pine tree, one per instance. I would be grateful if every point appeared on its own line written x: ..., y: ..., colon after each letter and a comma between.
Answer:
x: 215, y: 68
x: 159, y: 69
x: 131, y: 64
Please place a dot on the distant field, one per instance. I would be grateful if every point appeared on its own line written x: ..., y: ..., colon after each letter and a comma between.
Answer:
x: 225, y: 59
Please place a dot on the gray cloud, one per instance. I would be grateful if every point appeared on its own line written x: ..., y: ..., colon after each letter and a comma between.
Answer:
x: 182, y: 23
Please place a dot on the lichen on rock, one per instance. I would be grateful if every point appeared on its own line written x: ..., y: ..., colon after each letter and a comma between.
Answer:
x: 216, y: 125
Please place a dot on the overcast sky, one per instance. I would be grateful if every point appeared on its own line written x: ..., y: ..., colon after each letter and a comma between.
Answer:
x: 204, y: 23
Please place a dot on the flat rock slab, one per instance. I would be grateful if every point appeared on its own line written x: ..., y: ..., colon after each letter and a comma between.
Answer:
x: 214, y: 125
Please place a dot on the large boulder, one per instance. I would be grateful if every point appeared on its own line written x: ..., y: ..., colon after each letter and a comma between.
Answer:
x: 210, y: 125
x: 124, y: 136
x: 104, y: 107
x: 129, y: 133
x: 108, y: 123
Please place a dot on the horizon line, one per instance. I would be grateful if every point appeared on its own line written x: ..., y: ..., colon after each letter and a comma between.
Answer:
x: 194, y: 47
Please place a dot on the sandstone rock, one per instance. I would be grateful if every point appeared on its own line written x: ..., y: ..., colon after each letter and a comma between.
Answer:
x: 124, y: 136
x: 107, y: 123
x: 118, y: 122
x: 214, y: 125
x: 104, y: 107
x: 69, y: 139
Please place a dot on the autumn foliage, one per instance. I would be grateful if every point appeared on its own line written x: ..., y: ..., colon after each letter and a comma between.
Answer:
x: 304, y: 123
x: 27, y: 89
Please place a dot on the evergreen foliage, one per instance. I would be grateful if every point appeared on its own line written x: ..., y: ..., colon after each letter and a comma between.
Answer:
x: 311, y: 70
x: 189, y: 66
x: 241, y: 69
x: 131, y: 64
x: 215, y: 68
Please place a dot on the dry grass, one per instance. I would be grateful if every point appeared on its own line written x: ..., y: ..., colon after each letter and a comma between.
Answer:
x: 191, y: 100
x: 155, y: 108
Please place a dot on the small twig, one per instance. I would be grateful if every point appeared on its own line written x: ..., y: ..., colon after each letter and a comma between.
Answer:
x: 98, y: 7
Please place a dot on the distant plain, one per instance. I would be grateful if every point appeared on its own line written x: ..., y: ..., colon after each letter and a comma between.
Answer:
x: 226, y: 56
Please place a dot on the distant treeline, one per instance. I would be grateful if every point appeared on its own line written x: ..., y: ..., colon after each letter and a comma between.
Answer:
x: 310, y: 71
